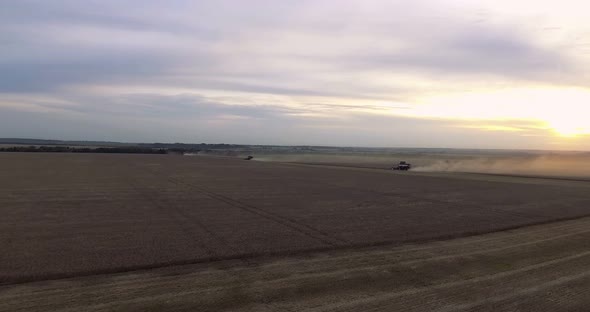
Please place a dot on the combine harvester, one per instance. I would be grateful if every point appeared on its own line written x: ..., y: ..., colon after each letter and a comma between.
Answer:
x: 402, y: 166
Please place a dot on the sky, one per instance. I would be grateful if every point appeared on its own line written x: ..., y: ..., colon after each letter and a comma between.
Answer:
x: 439, y: 73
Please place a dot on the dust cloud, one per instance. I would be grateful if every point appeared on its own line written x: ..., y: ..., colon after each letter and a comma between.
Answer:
x: 543, y: 165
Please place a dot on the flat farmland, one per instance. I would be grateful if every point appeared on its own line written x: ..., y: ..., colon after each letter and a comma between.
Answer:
x: 532, y: 269
x: 70, y: 215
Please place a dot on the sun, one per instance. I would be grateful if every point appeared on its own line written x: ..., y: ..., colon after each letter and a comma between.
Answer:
x: 567, y: 131
x: 559, y: 112
x: 568, y: 121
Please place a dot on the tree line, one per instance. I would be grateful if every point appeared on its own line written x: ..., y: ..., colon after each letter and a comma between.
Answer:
x: 68, y: 149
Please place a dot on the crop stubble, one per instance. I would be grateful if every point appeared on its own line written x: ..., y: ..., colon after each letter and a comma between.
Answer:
x: 72, y: 215
x: 537, y: 268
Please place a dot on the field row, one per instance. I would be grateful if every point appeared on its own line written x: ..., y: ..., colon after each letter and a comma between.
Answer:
x: 538, y: 268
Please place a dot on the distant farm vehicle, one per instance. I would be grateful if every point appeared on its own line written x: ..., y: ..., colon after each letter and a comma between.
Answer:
x: 402, y: 166
x: 249, y: 157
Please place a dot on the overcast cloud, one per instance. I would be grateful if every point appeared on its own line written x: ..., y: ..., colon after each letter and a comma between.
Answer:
x: 356, y: 73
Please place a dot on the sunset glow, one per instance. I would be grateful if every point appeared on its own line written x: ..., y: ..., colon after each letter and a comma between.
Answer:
x: 494, y: 74
x: 562, y: 111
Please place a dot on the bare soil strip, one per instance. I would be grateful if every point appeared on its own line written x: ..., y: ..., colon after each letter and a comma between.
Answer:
x: 537, y: 268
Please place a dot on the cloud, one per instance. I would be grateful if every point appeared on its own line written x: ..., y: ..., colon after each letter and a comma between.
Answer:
x: 286, y: 70
x: 248, y: 48
x: 194, y: 118
x: 481, y: 52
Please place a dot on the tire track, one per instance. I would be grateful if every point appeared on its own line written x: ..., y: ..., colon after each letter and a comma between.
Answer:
x: 380, y: 262
x: 180, y: 217
x: 301, y: 228
x: 289, y: 283
x: 518, y: 293
x: 213, y: 255
x: 544, y: 228
x: 379, y: 302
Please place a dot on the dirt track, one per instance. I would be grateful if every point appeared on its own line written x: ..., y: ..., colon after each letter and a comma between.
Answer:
x: 538, y: 268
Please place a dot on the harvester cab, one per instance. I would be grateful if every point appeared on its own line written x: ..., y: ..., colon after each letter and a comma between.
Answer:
x: 402, y: 166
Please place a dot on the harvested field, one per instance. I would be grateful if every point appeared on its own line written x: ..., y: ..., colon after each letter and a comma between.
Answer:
x: 68, y: 215
x: 233, y: 221
x: 537, y: 268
